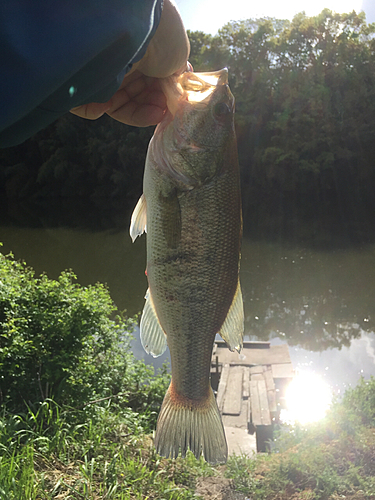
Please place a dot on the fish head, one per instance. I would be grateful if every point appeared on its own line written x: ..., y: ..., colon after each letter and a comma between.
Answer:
x: 206, y: 111
x: 201, y: 124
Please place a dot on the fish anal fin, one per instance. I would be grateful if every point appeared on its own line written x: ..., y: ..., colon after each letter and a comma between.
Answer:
x: 153, y: 338
x: 138, y: 224
x: 233, y: 326
x: 185, y: 424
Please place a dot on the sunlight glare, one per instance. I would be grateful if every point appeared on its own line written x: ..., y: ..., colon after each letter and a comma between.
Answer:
x: 199, y: 88
x: 308, y: 398
x: 209, y: 15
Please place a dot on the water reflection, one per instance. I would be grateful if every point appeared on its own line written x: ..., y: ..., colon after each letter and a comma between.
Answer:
x: 338, y: 367
x: 106, y: 256
x: 321, y: 303
x: 316, y: 299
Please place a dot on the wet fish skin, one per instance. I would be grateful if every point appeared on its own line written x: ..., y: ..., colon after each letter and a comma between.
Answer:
x: 194, y: 227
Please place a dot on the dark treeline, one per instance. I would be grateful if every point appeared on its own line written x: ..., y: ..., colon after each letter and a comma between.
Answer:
x: 305, y: 118
x: 76, y: 173
x: 305, y: 110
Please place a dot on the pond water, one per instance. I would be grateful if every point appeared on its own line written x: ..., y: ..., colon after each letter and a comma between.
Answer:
x: 321, y: 302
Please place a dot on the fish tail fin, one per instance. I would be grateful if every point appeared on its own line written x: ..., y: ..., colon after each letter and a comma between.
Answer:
x: 187, y: 424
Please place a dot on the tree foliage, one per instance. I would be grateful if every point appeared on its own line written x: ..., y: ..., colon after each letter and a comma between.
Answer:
x: 95, y: 166
x: 305, y: 118
x: 305, y: 114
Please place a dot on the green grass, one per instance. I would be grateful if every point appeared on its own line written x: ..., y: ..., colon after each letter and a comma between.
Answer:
x: 338, y: 468
x: 51, y: 454
x: 103, y: 453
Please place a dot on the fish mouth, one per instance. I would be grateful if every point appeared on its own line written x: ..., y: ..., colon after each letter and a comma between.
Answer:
x: 199, y: 89
x: 192, y: 88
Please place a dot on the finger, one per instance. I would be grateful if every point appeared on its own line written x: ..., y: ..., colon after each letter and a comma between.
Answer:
x: 148, y: 108
x: 136, y: 84
x: 93, y: 110
x: 139, y: 92
x: 136, y: 115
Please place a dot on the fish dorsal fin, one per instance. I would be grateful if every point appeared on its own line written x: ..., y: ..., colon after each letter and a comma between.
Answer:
x: 138, y: 223
x: 233, y: 326
x: 153, y: 338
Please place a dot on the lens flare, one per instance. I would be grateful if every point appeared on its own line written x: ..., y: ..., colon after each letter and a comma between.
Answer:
x: 308, y: 398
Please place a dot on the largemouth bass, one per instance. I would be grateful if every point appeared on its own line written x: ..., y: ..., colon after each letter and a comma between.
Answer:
x: 191, y: 211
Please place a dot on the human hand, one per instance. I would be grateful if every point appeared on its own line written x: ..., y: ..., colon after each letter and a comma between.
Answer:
x: 140, y: 100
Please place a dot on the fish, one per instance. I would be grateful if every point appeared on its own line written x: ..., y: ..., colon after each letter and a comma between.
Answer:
x: 191, y: 211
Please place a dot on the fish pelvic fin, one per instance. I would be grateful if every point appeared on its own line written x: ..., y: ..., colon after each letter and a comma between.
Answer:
x: 233, y: 326
x: 185, y: 424
x: 138, y: 224
x: 153, y: 337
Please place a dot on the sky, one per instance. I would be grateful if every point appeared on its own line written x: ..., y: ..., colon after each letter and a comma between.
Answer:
x: 211, y: 15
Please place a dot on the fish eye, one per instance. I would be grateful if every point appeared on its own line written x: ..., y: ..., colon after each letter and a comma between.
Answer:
x: 221, y: 109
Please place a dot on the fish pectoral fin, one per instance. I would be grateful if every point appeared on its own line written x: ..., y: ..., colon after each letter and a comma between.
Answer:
x: 153, y: 337
x: 185, y: 424
x: 138, y: 223
x: 233, y: 326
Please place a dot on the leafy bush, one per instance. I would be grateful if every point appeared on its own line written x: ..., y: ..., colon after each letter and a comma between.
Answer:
x: 57, y: 340
x: 360, y: 400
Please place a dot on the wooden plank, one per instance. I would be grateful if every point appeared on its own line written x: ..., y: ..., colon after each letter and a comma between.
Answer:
x: 257, y: 376
x: 284, y: 370
x: 241, y: 420
x: 246, y: 407
x: 256, y: 369
x: 233, y: 394
x: 268, y: 377
x: 263, y: 399
x: 222, y: 387
x: 246, y: 383
x: 277, y: 354
x: 254, y: 403
x: 272, y: 401
x: 247, y: 344
x: 260, y: 412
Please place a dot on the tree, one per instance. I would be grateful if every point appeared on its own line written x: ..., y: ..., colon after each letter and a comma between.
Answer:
x: 305, y: 117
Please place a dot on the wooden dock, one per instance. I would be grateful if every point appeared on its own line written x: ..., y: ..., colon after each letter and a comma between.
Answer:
x: 250, y: 386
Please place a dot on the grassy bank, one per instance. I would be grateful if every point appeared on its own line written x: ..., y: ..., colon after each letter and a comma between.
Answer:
x: 105, y: 452
x: 102, y: 453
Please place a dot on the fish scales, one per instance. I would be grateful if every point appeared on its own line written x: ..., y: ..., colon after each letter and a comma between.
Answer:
x: 192, y: 284
x: 194, y: 226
